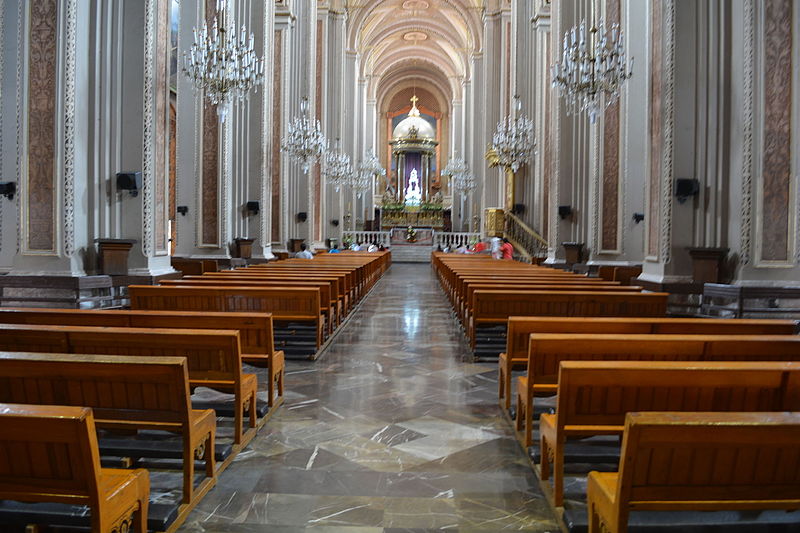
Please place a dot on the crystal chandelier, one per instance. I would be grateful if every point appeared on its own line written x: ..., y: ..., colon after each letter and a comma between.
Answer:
x: 304, y: 141
x: 513, y: 141
x: 221, y: 64
x: 591, y: 69
x: 367, y: 170
x: 465, y: 183
x: 337, y: 168
x: 461, y: 178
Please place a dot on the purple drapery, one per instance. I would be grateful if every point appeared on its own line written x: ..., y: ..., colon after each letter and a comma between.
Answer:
x: 413, y: 160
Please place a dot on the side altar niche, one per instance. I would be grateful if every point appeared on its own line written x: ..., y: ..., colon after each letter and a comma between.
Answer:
x: 410, y: 200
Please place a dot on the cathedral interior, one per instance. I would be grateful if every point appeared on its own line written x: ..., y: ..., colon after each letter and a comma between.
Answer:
x: 384, y: 266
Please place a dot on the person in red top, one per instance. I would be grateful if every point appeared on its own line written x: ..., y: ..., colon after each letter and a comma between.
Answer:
x: 479, y: 247
x: 507, y: 249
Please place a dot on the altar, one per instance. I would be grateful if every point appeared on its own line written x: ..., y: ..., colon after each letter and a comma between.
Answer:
x: 412, y: 197
x: 421, y: 237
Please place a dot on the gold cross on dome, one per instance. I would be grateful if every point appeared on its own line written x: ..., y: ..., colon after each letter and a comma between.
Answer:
x: 414, y: 101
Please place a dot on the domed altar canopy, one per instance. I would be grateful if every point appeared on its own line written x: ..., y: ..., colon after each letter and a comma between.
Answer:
x: 413, y: 150
x: 414, y: 126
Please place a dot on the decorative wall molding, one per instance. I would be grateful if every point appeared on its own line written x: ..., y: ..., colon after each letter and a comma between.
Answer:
x: 227, y: 181
x: 69, y: 129
x: 775, y: 191
x: 555, y: 148
x: 277, y: 119
x: 41, y: 135
x: 148, y: 127
x: 2, y: 75
x: 20, y: 55
x: 265, y: 189
x: 161, y: 130
x: 595, y: 230
x: 748, y: 74
x: 669, y: 131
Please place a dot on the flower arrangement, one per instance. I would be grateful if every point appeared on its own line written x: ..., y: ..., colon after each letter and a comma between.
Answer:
x: 411, y: 235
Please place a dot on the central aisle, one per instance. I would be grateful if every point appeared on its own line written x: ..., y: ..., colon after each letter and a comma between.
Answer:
x: 389, y: 431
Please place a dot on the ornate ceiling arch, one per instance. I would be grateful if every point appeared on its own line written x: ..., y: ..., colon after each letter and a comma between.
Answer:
x: 440, y: 35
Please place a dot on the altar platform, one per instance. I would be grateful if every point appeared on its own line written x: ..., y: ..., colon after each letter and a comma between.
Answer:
x: 412, y: 253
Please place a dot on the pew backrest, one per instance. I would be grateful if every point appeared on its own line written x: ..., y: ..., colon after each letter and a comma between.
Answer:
x: 284, y: 303
x: 600, y: 393
x: 520, y: 328
x: 658, y: 449
x: 497, y: 306
x: 49, y: 450
x: 255, y: 329
x: 152, y: 391
x: 547, y: 351
x: 212, y: 355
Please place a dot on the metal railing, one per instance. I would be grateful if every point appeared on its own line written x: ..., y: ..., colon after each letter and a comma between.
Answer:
x: 530, y: 244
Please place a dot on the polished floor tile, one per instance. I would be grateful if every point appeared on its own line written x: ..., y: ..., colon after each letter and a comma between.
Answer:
x: 392, y: 430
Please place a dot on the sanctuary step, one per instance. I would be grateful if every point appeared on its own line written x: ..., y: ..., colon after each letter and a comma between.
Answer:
x: 410, y: 253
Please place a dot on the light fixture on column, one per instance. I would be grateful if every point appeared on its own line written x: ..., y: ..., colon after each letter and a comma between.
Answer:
x: 221, y: 64
x: 304, y: 140
x: 368, y: 169
x: 592, y: 68
x: 337, y: 167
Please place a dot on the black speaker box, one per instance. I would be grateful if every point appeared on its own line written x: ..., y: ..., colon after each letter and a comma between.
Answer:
x: 129, y: 181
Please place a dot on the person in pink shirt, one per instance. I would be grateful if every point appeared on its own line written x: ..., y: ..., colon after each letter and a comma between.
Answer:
x: 507, y: 249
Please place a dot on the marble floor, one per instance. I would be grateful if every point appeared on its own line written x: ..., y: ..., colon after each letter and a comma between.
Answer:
x: 390, y: 431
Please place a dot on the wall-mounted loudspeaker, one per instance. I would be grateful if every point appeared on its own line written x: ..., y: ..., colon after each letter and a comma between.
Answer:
x: 129, y: 181
x: 252, y: 207
x: 302, y: 216
x: 335, y: 222
x: 519, y: 209
x: 182, y: 210
x: 686, y: 187
x: 8, y: 189
x: 564, y: 211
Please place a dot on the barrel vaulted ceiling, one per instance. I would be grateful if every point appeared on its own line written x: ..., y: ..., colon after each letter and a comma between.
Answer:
x: 403, y: 42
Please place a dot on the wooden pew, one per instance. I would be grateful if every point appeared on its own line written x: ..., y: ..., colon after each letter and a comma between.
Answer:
x: 255, y: 330
x: 327, y: 309
x: 213, y: 356
x: 469, y: 301
x: 50, y: 455
x: 547, y: 351
x: 124, y: 393
x: 347, y: 275
x: 292, y: 304
x: 520, y: 328
x: 461, y: 293
x: 677, y: 440
x: 494, y: 307
x: 339, y: 298
x: 595, y: 396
